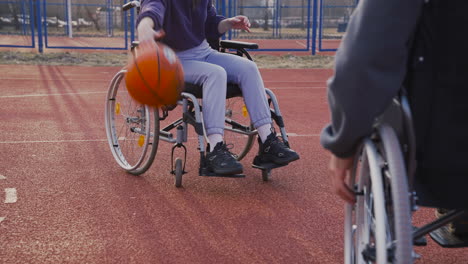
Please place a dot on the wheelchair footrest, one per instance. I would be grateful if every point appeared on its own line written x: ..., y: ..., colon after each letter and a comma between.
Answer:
x: 268, y: 166
x: 447, y: 239
x: 420, y: 242
x: 212, y: 174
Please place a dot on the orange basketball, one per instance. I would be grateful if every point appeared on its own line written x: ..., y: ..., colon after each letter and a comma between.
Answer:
x: 154, y: 74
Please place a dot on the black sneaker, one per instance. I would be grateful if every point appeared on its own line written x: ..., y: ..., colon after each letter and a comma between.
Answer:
x: 273, y: 150
x: 221, y: 161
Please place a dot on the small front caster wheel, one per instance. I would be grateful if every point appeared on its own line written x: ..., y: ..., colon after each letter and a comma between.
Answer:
x: 266, y: 175
x: 178, y: 172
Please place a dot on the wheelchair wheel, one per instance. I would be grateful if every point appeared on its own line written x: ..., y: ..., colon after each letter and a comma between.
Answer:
x: 132, y: 129
x: 378, y: 227
x: 238, y: 130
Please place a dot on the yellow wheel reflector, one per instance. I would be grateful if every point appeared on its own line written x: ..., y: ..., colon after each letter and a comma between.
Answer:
x: 141, y: 140
x: 244, y: 111
x: 117, y: 108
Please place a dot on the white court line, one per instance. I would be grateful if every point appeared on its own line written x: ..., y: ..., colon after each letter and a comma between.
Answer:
x: 105, y: 140
x: 1, y: 219
x: 84, y: 93
x: 44, y: 95
x: 2, y: 177
x: 52, y: 141
x: 10, y: 195
x: 52, y: 79
x: 296, y: 87
x: 296, y: 81
x: 302, y: 135
x: 301, y: 44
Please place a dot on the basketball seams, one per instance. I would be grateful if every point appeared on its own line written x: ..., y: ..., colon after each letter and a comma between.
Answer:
x: 159, y: 67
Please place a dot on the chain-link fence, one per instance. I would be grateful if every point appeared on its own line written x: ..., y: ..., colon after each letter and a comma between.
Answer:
x: 334, y: 17
x: 87, y: 24
x: 276, y: 25
x: 17, y: 22
x: 285, y: 24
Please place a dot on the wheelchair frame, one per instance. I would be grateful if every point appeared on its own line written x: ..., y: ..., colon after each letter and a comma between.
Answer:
x: 143, y: 123
x: 378, y: 227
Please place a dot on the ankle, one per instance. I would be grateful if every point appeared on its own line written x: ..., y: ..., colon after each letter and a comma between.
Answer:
x: 264, y: 131
x: 213, y: 140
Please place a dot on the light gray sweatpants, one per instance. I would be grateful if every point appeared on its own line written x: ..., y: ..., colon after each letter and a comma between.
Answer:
x: 204, y: 66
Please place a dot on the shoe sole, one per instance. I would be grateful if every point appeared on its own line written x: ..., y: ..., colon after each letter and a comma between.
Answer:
x: 275, y: 160
x: 227, y: 171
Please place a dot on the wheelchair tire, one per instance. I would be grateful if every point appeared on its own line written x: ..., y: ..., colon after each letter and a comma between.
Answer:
x: 378, y: 226
x: 132, y: 129
x: 178, y: 172
x: 238, y: 130
x: 400, y: 196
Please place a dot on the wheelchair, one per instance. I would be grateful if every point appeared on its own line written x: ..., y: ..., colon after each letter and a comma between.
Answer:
x: 134, y: 130
x: 378, y: 228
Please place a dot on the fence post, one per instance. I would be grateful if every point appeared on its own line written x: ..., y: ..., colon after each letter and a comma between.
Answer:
x: 111, y: 17
x: 108, y: 18
x: 279, y: 9
x: 69, y: 19
x: 229, y: 15
x: 320, y: 33
x: 132, y: 24
x: 40, y: 44
x: 32, y: 19
x: 314, y: 27
x: 223, y: 12
x: 309, y: 6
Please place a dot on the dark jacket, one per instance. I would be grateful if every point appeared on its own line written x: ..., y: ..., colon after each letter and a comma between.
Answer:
x: 437, y: 84
x: 420, y: 45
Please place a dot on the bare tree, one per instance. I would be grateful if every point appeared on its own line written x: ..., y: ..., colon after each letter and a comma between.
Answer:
x: 14, y: 11
x: 265, y: 26
x: 94, y: 17
x: 79, y: 15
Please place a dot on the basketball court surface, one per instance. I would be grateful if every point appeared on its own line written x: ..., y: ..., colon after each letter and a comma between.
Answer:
x: 64, y: 199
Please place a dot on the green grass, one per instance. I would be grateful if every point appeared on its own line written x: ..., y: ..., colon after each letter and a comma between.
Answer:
x: 120, y: 59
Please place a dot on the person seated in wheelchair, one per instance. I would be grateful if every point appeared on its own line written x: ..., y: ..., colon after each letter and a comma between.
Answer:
x: 185, y: 25
x: 420, y: 45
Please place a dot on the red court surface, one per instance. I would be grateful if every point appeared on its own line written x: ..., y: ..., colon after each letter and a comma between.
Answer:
x: 67, y: 201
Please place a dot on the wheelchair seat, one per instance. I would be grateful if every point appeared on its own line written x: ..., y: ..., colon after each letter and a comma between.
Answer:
x: 233, y: 90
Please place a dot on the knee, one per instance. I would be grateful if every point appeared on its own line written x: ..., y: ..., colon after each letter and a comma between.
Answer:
x: 250, y: 70
x: 217, y: 73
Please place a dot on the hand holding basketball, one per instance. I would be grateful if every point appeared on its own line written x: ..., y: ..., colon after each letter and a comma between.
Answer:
x: 146, y: 30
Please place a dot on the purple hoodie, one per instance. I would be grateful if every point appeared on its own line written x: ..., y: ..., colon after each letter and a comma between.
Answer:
x: 186, y: 26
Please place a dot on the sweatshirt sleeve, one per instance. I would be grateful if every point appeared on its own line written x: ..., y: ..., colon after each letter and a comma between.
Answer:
x: 370, y: 67
x: 153, y: 9
x: 212, y: 22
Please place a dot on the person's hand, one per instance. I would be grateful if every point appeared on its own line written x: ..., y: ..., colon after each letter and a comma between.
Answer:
x: 240, y: 22
x: 237, y: 22
x: 340, y: 169
x: 146, y: 31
